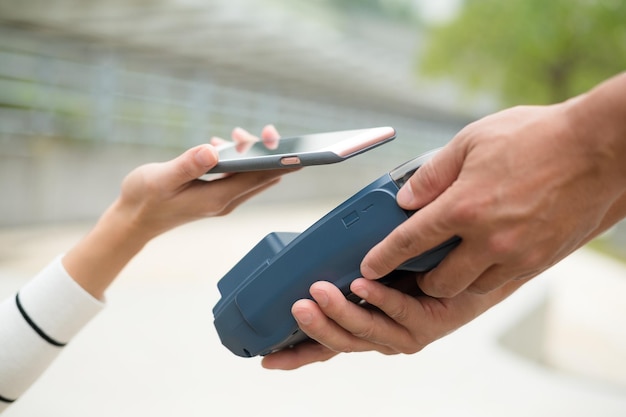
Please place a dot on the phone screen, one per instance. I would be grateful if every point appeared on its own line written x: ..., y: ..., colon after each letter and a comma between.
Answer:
x: 305, y: 150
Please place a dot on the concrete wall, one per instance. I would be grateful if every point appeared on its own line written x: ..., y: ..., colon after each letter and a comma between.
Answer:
x: 51, y: 180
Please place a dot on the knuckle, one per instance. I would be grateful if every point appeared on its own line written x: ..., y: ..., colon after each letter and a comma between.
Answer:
x: 379, y: 262
x: 187, y: 171
x: 414, y: 344
x: 531, y: 260
x: 214, y: 208
x: 426, y: 178
x: 400, y: 312
x: 388, y: 350
x: 224, y: 210
x: 464, y: 212
x: 410, y: 350
x: 150, y: 184
x: 471, y: 210
x: 366, y: 333
x: 502, y: 245
x: 346, y: 347
x: 479, y: 288
x: 439, y: 288
x: 404, y: 242
x: 219, y: 203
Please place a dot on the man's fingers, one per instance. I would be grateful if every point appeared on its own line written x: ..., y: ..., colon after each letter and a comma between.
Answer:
x: 498, y: 275
x: 363, y: 323
x: 427, y: 228
x: 302, y: 354
x: 403, y: 310
x: 321, y: 327
x: 316, y: 324
x: 457, y: 271
x: 431, y: 179
x: 422, y: 231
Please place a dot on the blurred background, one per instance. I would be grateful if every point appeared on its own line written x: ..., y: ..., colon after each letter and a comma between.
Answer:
x: 91, y: 89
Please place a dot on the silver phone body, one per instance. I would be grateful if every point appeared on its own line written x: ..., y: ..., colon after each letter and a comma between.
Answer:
x: 305, y: 150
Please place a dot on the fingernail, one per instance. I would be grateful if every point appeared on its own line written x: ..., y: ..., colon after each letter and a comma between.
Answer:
x: 271, y: 143
x: 360, y: 291
x: 405, y: 195
x: 303, y: 317
x: 320, y: 297
x: 206, y: 156
x: 367, y: 272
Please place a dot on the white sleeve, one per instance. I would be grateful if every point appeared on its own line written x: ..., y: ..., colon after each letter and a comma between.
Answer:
x: 36, y: 323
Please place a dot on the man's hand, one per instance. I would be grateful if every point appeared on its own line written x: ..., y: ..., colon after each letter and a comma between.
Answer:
x: 521, y: 188
x: 399, y: 323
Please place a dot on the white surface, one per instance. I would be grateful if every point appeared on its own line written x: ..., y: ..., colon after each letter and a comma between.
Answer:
x: 586, y: 317
x: 154, y: 351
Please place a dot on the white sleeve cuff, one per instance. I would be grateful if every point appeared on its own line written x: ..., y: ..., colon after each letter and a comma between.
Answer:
x: 57, y: 304
x: 46, y: 313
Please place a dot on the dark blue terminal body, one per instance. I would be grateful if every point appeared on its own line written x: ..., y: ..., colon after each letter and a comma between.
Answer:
x: 253, y: 317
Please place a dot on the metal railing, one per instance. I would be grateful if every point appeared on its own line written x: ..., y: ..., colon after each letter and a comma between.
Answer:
x: 43, y: 95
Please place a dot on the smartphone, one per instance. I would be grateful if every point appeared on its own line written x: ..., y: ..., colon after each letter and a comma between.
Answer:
x: 300, y: 151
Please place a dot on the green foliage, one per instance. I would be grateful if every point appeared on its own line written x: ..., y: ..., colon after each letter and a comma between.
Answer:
x: 530, y: 51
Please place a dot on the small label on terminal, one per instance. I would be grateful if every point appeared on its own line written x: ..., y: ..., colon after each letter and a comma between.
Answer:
x: 350, y: 219
x: 290, y: 160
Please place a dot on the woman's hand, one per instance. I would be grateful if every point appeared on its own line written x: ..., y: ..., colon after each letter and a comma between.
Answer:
x: 159, y: 196
x: 156, y: 198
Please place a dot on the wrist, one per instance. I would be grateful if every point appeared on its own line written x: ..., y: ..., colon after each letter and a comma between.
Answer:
x: 598, y: 121
x: 129, y: 222
x: 101, y: 255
